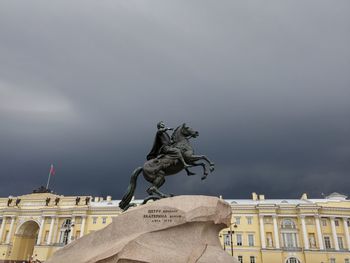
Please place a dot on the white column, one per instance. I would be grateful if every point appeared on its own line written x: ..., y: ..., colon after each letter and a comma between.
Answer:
x: 71, y: 230
x: 41, y: 229
x: 275, y: 230
x: 305, y: 239
x: 319, y: 233
x: 334, y: 234
x: 2, y: 228
x: 82, y: 228
x: 262, y: 232
x: 8, y: 239
x: 55, y: 230
x: 346, y: 231
x: 49, y: 239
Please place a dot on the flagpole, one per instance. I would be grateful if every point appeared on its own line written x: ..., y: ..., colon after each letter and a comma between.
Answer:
x: 48, y: 180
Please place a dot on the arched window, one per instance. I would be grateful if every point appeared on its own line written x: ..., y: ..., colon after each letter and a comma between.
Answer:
x: 288, y: 224
x: 64, y: 232
x: 289, y: 234
x: 292, y: 260
x: 66, y: 222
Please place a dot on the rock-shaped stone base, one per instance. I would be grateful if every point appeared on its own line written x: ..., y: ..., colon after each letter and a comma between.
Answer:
x: 174, y: 230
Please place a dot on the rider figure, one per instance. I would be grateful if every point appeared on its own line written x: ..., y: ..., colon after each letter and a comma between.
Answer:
x: 162, y: 145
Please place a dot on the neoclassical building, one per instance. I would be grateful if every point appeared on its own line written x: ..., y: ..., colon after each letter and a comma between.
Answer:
x: 289, y: 230
x: 34, y: 226
x: 262, y: 230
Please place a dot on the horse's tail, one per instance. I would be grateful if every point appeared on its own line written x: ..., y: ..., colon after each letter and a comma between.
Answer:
x: 131, y: 189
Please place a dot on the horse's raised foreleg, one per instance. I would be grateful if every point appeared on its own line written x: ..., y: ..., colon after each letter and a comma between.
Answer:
x: 207, y: 160
x: 205, y: 170
x: 194, y: 158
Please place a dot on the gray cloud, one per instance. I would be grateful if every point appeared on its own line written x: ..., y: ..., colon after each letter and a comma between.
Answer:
x: 83, y: 83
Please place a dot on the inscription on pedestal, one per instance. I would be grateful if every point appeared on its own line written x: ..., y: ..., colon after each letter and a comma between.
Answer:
x: 162, y: 215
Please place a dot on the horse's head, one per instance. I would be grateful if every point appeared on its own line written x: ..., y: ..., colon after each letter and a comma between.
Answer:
x: 184, y: 132
x: 188, y: 131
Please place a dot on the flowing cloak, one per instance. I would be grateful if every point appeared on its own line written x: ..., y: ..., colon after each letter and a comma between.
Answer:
x: 162, y: 138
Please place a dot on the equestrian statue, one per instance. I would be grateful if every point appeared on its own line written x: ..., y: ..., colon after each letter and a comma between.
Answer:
x: 168, y: 156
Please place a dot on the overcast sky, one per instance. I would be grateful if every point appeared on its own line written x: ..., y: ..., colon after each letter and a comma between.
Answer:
x: 266, y: 84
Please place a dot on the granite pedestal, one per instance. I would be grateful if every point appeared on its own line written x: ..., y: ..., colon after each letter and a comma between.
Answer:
x: 182, y: 229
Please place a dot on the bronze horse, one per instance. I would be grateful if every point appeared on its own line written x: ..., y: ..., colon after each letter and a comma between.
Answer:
x: 155, y: 170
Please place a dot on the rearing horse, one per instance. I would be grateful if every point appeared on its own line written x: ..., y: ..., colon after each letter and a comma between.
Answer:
x: 155, y: 170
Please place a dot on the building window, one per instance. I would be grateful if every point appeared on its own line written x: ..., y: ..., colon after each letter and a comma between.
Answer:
x: 312, y: 240
x: 340, y: 243
x: 249, y: 220
x: 251, y: 240
x: 48, y: 220
x: 332, y: 260
x: 94, y: 220
x: 327, y: 242
x: 347, y: 260
x: 290, y: 240
x: 324, y: 222
x: 227, y: 240
x: 104, y: 220
x: 293, y: 260
x: 252, y: 259
x: 63, y: 239
x: 239, y: 239
x: 77, y: 234
x: 238, y: 220
x: 336, y: 222
x: 348, y: 221
x: 240, y: 259
x: 64, y: 232
x: 288, y: 224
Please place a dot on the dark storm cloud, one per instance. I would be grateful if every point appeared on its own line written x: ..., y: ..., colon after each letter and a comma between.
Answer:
x: 82, y: 85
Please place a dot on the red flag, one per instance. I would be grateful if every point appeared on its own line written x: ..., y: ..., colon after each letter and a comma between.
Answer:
x: 52, y: 170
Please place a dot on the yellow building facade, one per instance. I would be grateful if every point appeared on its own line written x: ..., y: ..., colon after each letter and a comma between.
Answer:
x: 289, y: 231
x: 34, y: 226
x: 304, y: 230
